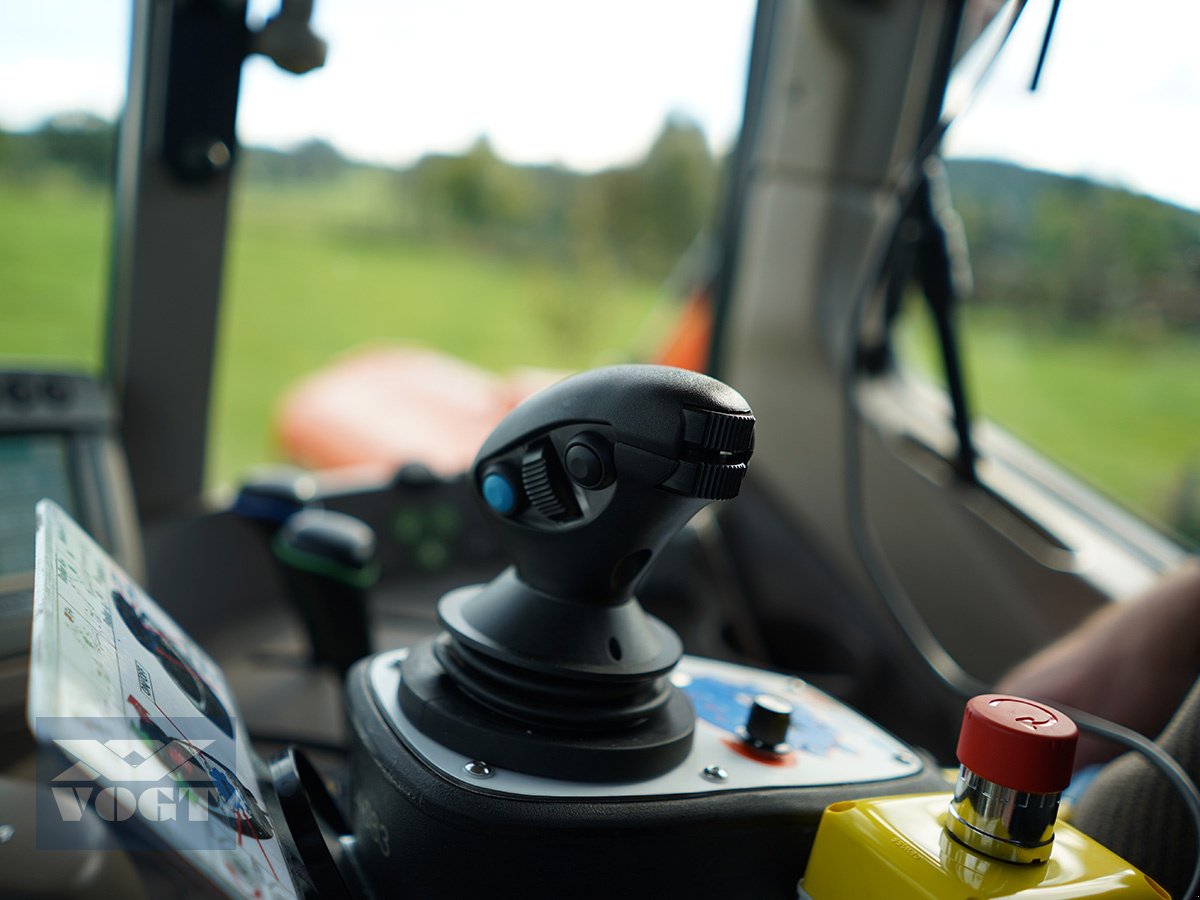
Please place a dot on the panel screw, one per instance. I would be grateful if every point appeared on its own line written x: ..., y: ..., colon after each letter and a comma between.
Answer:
x: 477, y: 768
x: 715, y: 773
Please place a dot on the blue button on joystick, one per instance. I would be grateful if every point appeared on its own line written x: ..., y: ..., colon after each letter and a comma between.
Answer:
x: 499, y: 493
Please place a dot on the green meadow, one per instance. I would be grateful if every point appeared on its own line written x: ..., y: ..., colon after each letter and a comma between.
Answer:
x: 312, y: 274
x: 311, y: 277
x: 1119, y: 409
x: 53, y: 272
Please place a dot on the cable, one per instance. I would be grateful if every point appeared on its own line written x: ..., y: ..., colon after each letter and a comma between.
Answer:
x: 284, y: 739
x: 945, y: 669
x: 1041, y: 60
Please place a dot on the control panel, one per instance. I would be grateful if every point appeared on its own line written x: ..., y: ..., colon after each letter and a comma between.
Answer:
x: 821, y: 741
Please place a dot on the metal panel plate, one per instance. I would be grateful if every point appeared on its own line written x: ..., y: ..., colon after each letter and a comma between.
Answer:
x: 832, y: 743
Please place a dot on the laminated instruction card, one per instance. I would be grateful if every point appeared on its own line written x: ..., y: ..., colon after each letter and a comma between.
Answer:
x: 136, y: 726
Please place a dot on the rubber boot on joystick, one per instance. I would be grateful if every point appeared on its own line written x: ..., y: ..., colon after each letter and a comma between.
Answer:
x: 554, y: 668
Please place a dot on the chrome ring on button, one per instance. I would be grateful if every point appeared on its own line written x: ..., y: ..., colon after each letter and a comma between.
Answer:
x: 1003, y: 823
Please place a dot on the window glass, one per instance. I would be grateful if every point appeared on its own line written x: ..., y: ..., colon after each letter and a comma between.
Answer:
x: 64, y: 75
x: 1079, y: 203
x: 515, y: 185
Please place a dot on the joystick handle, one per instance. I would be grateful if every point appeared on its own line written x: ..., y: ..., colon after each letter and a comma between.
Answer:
x: 328, y: 559
x: 553, y: 667
x: 587, y: 480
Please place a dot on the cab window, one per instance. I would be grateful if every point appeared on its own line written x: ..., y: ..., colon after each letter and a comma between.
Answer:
x: 1079, y: 201
x: 518, y: 187
x: 64, y: 78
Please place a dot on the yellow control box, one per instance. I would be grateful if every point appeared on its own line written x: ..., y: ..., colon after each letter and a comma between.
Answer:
x: 897, y: 848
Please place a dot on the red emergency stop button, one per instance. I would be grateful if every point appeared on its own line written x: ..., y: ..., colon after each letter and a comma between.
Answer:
x: 1017, y: 743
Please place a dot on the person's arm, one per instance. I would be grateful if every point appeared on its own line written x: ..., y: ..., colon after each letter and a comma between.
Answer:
x: 1132, y: 662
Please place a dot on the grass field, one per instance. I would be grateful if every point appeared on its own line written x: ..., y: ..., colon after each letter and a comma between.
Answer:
x: 310, y: 277
x: 54, y: 248
x: 312, y: 274
x: 1120, y: 410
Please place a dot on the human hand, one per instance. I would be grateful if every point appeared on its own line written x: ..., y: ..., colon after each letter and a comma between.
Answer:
x: 1131, y: 662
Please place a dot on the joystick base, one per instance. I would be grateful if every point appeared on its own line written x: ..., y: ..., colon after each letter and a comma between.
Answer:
x: 441, y: 710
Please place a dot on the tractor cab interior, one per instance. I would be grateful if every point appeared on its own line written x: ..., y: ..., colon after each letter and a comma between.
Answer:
x: 475, y: 507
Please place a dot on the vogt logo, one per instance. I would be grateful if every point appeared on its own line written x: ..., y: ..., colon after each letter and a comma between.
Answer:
x: 173, y: 777
x: 109, y: 763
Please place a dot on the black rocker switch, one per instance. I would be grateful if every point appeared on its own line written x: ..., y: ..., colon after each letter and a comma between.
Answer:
x: 271, y: 495
x: 329, y: 564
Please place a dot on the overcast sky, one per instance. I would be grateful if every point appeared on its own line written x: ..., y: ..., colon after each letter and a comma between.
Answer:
x: 585, y: 84
x: 588, y: 85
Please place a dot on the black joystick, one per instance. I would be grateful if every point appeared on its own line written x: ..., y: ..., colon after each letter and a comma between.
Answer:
x: 328, y: 560
x: 554, y: 668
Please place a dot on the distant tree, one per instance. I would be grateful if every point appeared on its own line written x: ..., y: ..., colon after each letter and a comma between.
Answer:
x: 650, y: 212
x: 678, y: 177
x: 80, y: 142
x: 477, y: 189
x: 317, y: 159
x: 312, y: 161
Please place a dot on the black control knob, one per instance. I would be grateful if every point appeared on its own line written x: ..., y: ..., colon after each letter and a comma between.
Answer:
x: 767, y: 725
x: 329, y: 563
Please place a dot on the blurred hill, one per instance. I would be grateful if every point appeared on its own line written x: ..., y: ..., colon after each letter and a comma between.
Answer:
x: 1068, y: 250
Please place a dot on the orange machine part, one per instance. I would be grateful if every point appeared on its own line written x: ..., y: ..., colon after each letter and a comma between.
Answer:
x: 688, y: 345
x: 394, y: 405
x: 385, y: 406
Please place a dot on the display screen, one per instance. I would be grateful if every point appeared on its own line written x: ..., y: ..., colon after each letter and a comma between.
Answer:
x: 32, y: 466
